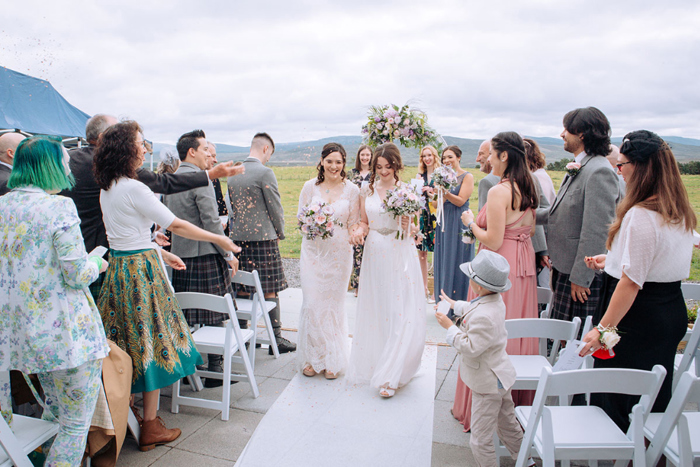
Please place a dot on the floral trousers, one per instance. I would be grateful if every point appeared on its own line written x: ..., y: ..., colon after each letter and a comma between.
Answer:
x: 71, y: 396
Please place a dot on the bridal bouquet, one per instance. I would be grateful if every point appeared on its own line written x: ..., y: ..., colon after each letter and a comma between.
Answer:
x: 404, y: 200
x: 390, y: 122
x: 446, y: 178
x: 316, y: 220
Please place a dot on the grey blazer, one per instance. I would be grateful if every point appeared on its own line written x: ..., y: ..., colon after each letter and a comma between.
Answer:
x: 197, y: 206
x: 539, y: 240
x: 577, y: 223
x: 256, y: 207
x: 485, y: 184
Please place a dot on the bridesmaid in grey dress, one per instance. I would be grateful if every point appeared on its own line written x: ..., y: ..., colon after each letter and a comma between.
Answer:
x: 450, y: 251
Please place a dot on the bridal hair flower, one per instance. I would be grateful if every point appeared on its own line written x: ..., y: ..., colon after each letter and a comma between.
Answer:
x: 573, y: 168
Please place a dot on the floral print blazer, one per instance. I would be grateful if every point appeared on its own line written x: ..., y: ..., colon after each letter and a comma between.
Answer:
x: 48, y: 319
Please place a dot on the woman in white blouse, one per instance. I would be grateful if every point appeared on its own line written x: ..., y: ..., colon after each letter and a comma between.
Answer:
x: 650, y: 247
x: 139, y: 310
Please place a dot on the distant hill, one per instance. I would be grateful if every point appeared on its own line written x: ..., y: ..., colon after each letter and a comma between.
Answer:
x: 308, y: 152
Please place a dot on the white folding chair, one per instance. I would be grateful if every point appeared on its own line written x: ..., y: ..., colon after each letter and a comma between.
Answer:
x: 25, y: 436
x: 227, y: 341
x: 544, y: 297
x: 528, y: 368
x: 256, y: 306
x: 568, y: 433
x: 676, y: 434
x: 689, y: 360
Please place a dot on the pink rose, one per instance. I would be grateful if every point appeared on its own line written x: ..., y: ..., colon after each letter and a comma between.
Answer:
x: 573, y: 166
x: 320, y: 219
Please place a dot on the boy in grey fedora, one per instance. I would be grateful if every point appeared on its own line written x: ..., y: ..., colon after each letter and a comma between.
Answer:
x: 479, y: 336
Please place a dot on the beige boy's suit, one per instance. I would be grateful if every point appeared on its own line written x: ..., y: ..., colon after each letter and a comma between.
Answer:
x: 480, y: 340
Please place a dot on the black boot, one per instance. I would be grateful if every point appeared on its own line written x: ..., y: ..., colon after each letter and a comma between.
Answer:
x: 283, y: 345
x: 214, y: 365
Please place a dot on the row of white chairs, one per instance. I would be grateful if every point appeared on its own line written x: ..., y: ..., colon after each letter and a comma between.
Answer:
x: 568, y: 433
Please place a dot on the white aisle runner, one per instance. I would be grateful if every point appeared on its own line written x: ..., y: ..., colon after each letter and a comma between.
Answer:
x: 316, y: 422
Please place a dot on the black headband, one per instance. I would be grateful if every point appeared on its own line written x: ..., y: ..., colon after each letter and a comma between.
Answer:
x: 641, y: 144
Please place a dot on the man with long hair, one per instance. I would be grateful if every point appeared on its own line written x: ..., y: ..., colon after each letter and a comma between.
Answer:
x: 581, y: 213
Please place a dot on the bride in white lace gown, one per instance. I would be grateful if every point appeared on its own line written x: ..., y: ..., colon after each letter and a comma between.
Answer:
x: 390, y: 325
x: 325, y: 268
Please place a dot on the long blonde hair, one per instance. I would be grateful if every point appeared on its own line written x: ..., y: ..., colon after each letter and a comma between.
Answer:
x: 655, y: 183
x: 422, y: 168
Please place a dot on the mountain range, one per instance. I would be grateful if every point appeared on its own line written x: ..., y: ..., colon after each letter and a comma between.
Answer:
x: 306, y: 153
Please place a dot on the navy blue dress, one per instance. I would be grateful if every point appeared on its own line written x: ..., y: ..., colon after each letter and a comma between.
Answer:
x: 450, y: 251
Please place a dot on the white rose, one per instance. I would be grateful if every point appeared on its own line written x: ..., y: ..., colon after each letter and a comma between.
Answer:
x: 609, y: 339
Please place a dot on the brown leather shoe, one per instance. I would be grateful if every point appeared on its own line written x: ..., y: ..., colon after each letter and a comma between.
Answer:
x: 154, y: 433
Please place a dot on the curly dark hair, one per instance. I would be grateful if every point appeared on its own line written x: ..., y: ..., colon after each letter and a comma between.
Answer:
x: 535, y: 157
x: 516, y: 172
x: 327, y: 150
x: 116, y: 153
x: 594, y: 126
x: 391, y: 153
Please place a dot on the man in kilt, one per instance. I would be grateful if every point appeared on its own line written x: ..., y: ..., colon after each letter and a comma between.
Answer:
x: 206, y: 265
x: 257, y: 225
x: 577, y: 222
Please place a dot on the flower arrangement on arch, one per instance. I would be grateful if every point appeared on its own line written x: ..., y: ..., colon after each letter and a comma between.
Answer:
x: 390, y: 122
x: 316, y: 220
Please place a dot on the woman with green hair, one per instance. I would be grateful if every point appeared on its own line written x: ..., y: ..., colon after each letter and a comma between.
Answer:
x: 49, y: 324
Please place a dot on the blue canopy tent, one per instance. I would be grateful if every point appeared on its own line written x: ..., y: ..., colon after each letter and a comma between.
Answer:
x: 33, y: 106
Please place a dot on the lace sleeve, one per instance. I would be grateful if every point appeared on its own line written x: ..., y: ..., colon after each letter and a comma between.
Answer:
x: 354, y: 209
x: 306, y: 194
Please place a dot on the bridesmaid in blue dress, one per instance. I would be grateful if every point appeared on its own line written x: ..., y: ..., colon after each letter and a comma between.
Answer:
x: 450, y: 251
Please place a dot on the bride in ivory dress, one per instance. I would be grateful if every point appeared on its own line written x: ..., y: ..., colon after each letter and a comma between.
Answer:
x: 390, y: 325
x: 325, y: 267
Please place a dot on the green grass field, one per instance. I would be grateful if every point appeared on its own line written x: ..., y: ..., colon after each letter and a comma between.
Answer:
x: 291, y: 180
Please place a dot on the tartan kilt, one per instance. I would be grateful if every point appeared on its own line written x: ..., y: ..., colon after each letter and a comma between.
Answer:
x: 204, y: 274
x: 264, y: 257
x: 564, y: 307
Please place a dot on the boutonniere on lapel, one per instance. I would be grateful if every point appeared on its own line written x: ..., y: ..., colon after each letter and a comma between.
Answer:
x: 573, y: 168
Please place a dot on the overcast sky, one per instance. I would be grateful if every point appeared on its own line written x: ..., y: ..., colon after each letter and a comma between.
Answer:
x: 304, y: 70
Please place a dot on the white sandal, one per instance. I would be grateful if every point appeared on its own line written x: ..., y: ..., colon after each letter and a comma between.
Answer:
x: 387, y: 392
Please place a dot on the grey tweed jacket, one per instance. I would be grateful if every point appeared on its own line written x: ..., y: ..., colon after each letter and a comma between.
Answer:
x: 256, y: 207
x: 197, y: 206
x: 578, y: 221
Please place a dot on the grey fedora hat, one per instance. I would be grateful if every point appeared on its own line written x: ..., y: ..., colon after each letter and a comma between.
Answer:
x: 490, y: 270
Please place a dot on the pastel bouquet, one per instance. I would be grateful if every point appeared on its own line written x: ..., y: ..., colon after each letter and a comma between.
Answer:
x: 444, y: 177
x: 404, y: 200
x: 390, y: 122
x: 316, y: 220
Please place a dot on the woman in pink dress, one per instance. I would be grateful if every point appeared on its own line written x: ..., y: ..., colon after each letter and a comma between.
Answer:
x: 504, y: 225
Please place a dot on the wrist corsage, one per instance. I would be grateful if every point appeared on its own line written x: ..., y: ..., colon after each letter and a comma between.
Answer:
x: 608, y: 339
x: 468, y: 235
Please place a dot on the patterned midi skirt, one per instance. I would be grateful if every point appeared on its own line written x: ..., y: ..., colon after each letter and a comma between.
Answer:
x: 142, y: 316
